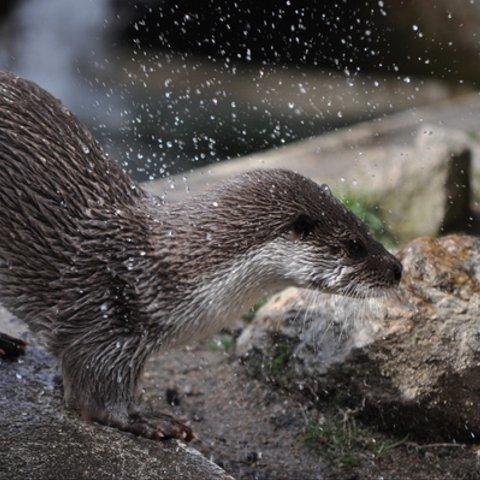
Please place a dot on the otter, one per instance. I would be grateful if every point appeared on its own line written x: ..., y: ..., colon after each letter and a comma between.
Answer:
x: 107, y: 274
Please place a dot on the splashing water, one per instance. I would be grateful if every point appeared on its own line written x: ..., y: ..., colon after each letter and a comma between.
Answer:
x: 329, y: 322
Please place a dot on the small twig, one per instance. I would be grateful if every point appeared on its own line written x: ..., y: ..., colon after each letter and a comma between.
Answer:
x: 435, y: 445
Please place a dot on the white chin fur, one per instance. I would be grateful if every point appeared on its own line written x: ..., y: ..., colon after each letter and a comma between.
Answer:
x: 232, y: 290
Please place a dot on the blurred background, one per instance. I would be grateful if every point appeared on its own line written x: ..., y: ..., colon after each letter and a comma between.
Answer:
x: 170, y: 85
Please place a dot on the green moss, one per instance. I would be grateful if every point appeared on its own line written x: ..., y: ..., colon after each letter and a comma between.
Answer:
x: 223, y: 342
x: 345, y: 443
x: 332, y: 432
x: 277, y: 366
x: 250, y: 315
x: 318, y: 433
x: 349, y: 461
x: 369, y: 211
x: 473, y: 135
x: 280, y: 359
x: 338, y: 440
x: 273, y: 365
x: 384, y: 448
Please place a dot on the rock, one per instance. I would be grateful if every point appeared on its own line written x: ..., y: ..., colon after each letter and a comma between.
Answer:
x: 428, y: 188
x: 409, y: 364
x: 40, y: 439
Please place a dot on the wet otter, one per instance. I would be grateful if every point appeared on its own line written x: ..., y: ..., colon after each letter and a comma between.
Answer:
x: 108, y: 274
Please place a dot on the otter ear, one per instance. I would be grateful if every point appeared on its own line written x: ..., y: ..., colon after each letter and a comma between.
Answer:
x: 302, y: 226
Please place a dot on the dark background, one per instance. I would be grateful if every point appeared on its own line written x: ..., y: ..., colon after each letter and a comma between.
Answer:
x: 167, y: 86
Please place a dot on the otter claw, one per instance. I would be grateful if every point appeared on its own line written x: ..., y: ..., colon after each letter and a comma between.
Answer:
x: 159, y: 427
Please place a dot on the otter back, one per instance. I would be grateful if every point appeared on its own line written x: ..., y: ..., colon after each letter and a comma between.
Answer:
x: 53, y: 177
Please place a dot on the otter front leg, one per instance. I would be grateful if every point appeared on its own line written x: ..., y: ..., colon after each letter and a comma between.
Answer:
x: 100, y: 381
x: 11, y: 347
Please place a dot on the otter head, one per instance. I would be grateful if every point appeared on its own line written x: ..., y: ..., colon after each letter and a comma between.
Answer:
x: 310, y: 239
x: 341, y: 254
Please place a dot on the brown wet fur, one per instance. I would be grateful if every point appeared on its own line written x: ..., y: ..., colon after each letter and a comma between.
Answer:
x: 108, y: 274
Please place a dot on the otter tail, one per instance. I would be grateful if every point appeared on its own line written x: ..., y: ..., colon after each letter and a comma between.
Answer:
x: 11, y: 348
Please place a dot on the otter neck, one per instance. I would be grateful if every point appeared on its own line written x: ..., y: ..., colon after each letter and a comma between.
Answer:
x: 218, y: 298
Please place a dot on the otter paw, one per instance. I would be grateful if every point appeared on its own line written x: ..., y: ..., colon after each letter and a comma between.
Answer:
x: 11, y: 347
x: 159, y: 427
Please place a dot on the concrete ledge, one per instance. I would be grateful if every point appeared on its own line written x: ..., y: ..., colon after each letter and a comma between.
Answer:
x: 40, y: 439
x: 330, y: 157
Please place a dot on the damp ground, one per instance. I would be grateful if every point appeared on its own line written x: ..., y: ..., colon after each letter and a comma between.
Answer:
x: 256, y: 431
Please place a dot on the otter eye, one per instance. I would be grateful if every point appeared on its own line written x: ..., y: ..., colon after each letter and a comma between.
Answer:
x: 356, y: 249
x: 303, y: 226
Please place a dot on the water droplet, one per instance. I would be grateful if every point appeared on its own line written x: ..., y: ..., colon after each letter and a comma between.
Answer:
x: 326, y: 189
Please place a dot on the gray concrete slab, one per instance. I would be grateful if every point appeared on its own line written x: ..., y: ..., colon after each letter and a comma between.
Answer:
x: 334, y: 157
x: 40, y: 439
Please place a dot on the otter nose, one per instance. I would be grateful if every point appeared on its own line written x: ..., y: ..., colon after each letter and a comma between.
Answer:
x: 397, y: 271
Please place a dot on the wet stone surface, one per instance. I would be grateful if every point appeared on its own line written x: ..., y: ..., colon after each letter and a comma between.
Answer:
x: 41, y: 440
x: 257, y: 431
